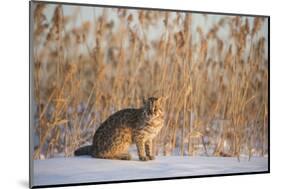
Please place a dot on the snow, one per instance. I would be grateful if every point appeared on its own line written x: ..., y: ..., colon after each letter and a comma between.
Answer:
x: 84, y: 169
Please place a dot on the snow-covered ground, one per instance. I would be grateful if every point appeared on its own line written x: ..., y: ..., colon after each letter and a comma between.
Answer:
x: 86, y: 169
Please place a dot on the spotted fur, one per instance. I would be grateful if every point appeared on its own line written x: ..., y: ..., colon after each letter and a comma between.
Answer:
x: 125, y: 127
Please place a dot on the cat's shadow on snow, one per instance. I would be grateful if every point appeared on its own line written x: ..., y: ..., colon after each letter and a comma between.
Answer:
x: 133, y: 159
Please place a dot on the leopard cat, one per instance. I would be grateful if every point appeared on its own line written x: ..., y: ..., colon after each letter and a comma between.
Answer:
x: 125, y: 127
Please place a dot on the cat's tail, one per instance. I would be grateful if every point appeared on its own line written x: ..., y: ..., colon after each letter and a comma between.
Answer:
x: 85, y: 150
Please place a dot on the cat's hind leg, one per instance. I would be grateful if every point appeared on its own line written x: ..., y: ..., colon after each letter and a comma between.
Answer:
x: 123, y: 156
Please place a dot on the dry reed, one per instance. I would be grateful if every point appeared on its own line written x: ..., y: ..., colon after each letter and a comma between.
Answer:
x: 217, y: 87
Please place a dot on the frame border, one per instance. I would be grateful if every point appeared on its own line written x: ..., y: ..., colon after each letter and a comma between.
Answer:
x: 133, y: 180
x: 147, y: 8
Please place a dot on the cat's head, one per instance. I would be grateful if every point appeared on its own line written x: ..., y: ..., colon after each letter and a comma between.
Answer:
x: 154, y: 105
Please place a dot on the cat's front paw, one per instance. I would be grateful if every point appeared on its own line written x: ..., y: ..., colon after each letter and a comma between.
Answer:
x: 143, y: 158
x: 151, y: 157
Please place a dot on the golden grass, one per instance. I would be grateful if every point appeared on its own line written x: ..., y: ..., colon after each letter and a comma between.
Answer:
x: 217, y: 88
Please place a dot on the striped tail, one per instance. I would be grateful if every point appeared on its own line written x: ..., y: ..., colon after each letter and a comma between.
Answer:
x: 85, y: 150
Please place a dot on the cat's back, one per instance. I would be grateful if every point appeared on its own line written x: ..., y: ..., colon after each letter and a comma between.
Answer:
x: 120, y: 120
x: 125, y: 117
